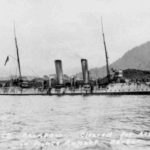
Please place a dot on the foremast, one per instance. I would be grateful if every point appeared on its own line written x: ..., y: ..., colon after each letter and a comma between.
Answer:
x: 18, y: 59
x: 107, y: 63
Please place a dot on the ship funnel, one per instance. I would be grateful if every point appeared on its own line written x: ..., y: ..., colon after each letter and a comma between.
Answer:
x: 85, y: 71
x: 59, y: 71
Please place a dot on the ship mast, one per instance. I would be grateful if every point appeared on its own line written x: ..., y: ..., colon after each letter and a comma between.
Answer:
x: 107, y: 64
x: 18, y: 60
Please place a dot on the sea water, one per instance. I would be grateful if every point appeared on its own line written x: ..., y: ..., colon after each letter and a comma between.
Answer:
x: 74, y: 122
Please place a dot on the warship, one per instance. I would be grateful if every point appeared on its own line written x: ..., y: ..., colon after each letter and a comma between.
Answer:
x: 113, y: 84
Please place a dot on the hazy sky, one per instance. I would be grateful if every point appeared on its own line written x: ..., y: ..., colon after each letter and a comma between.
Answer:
x: 69, y: 30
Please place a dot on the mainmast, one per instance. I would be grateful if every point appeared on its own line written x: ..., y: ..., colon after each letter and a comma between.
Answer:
x: 107, y: 64
x: 18, y: 60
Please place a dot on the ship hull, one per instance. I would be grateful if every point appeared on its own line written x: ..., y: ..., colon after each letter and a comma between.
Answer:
x: 77, y: 94
x: 111, y: 89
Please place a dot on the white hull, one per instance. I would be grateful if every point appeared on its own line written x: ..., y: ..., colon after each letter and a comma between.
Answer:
x: 111, y: 89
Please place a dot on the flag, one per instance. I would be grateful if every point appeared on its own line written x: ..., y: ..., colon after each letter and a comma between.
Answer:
x: 7, y: 59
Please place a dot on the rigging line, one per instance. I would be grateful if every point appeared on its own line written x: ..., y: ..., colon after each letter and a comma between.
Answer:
x: 26, y: 66
x: 13, y: 57
x: 33, y: 71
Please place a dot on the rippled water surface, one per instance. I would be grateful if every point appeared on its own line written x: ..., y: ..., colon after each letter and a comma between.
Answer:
x: 75, y: 122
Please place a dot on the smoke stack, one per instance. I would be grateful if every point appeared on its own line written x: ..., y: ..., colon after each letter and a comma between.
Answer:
x: 85, y: 71
x: 59, y: 71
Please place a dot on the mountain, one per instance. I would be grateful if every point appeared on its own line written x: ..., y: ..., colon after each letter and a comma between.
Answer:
x: 137, y: 58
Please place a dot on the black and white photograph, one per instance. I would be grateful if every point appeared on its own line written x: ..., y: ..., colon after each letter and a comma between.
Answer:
x: 74, y: 74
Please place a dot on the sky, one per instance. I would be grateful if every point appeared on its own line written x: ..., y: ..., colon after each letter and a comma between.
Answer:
x: 69, y: 30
